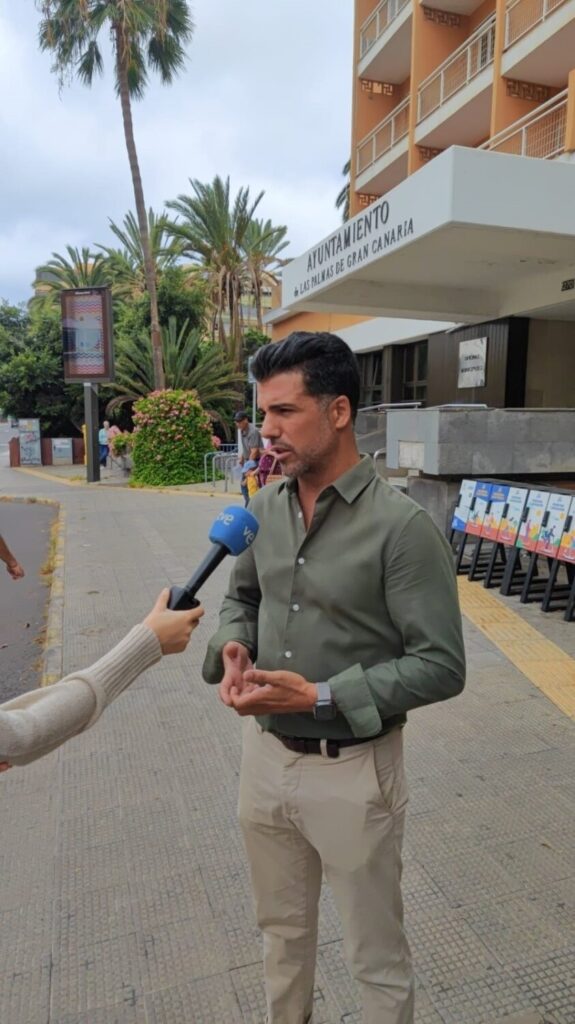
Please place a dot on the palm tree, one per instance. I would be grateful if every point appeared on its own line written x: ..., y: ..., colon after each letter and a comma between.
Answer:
x: 342, y: 201
x: 82, y: 269
x: 146, y: 35
x: 189, y: 364
x: 212, y: 229
x: 262, y: 245
x: 126, y: 266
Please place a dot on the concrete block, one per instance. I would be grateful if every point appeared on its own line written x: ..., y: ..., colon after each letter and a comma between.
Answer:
x: 563, y: 456
x: 438, y: 497
x: 532, y: 458
x: 459, y: 424
x: 492, y: 459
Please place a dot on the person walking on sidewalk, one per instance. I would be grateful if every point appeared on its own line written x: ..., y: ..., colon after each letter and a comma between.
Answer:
x: 103, y: 443
x: 39, y: 721
x: 347, y: 601
x: 250, y: 447
x: 13, y: 567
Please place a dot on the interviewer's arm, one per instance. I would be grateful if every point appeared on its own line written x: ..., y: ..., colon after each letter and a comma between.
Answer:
x: 37, y: 722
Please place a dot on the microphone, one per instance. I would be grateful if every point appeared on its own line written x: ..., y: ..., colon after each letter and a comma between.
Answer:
x: 232, y: 532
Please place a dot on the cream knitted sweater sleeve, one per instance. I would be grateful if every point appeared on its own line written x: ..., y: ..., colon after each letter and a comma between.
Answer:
x: 37, y: 722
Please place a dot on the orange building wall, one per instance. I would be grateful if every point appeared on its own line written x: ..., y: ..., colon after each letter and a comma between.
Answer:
x: 333, y: 322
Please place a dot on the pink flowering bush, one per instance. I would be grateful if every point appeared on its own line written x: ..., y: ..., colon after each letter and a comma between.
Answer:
x: 171, y: 436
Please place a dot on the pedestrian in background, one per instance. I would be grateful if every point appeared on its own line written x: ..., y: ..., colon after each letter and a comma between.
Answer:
x: 103, y: 444
x: 347, y: 603
x: 249, y: 448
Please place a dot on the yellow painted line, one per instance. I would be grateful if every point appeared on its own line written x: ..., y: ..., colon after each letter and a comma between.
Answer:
x: 126, y: 487
x: 48, y: 476
x: 549, y: 668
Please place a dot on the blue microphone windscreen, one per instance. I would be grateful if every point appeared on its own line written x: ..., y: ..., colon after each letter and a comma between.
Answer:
x: 235, y: 528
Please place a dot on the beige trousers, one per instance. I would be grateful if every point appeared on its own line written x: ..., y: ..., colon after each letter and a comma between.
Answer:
x: 302, y: 814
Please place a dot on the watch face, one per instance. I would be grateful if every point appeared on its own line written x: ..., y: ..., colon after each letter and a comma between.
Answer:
x: 324, y: 712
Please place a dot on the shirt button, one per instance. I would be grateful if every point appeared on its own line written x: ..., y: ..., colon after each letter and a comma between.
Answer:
x: 295, y: 607
x: 287, y: 654
x: 301, y: 561
x: 300, y: 515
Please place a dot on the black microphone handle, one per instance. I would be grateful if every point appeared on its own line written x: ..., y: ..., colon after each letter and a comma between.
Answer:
x: 183, y: 598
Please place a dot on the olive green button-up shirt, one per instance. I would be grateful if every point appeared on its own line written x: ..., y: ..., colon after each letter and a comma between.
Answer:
x: 365, y: 599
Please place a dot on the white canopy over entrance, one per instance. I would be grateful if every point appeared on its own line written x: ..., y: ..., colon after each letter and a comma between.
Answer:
x: 472, y: 236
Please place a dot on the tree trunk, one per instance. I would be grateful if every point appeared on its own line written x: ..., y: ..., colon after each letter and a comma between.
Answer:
x: 149, y: 270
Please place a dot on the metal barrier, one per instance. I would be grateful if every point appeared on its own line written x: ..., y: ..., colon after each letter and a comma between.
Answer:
x: 224, y: 462
x: 224, y: 449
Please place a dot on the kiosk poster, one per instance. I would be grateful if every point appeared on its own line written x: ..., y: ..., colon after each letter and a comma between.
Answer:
x: 553, y: 525
x: 480, y: 508
x: 87, y: 334
x: 531, y: 526
x: 511, y: 520
x: 464, y: 503
x: 566, y: 551
x: 492, y: 520
x: 30, y: 448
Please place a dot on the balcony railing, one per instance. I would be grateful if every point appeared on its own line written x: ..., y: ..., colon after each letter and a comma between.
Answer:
x: 389, y: 131
x: 539, y: 134
x: 458, y: 70
x: 522, y: 15
x: 374, y: 26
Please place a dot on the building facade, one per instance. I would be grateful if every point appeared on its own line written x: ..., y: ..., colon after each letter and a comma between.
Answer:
x: 460, y: 252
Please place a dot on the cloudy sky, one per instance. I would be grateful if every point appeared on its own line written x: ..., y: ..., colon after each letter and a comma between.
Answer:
x: 265, y: 98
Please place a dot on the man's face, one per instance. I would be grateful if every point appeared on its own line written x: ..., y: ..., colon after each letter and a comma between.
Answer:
x: 243, y: 425
x: 302, y: 429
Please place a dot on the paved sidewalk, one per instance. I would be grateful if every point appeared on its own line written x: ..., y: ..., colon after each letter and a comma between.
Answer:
x: 124, y: 895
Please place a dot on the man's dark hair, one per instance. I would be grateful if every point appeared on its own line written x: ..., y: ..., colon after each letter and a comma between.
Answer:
x: 328, y: 365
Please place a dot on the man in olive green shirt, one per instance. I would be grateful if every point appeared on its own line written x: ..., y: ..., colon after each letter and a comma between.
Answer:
x: 347, y: 603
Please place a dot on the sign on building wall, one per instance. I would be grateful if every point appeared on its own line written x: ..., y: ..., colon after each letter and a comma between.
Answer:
x: 472, y: 363
x: 30, y: 448
x: 87, y: 335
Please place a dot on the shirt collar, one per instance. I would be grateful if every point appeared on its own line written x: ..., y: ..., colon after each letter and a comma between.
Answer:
x: 349, y: 485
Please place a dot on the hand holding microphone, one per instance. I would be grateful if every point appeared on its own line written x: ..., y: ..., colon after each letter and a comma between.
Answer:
x: 233, y: 531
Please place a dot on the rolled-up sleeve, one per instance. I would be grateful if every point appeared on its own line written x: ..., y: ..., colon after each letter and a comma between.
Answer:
x: 421, y: 596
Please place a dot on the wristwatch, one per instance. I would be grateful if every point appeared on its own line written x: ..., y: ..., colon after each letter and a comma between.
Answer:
x: 324, y: 709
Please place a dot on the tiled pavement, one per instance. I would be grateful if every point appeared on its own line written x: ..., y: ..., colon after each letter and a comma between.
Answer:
x: 124, y: 895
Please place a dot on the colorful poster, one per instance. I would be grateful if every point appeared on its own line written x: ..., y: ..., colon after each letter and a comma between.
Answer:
x: 480, y: 508
x: 566, y: 551
x: 492, y: 520
x: 511, y: 519
x: 464, y: 502
x: 553, y: 525
x: 530, y: 527
x: 30, y: 447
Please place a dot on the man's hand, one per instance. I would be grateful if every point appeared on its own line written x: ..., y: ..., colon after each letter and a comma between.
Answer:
x: 173, y: 629
x: 273, y: 693
x: 4, y: 766
x: 237, y: 661
x: 15, y: 569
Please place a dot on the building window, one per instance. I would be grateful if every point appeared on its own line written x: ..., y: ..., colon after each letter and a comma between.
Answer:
x: 371, y: 378
x: 410, y: 365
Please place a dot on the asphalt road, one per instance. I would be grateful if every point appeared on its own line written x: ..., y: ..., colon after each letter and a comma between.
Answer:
x: 26, y: 530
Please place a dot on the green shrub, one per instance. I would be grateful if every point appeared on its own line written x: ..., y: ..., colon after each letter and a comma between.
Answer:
x: 172, y: 434
x: 121, y: 444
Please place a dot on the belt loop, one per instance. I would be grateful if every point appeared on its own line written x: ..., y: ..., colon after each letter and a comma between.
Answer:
x: 323, y: 748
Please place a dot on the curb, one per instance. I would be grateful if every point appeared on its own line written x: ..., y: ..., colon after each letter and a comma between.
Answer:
x: 126, y: 487
x: 52, y: 667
